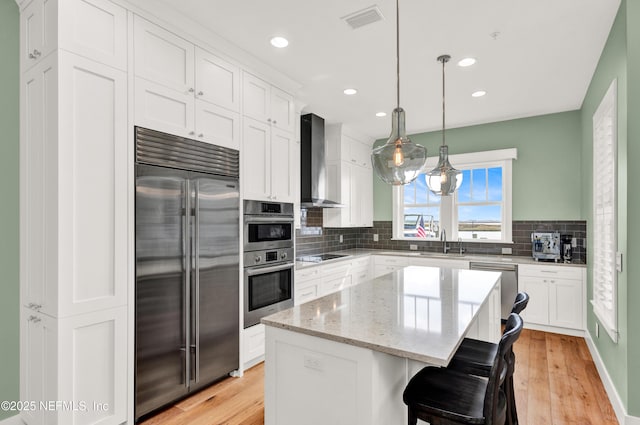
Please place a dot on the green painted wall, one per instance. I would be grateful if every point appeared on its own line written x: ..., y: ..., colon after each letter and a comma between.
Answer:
x: 613, y: 64
x: 633, y: 204
x: 546, y: 176
x: 9, y: 195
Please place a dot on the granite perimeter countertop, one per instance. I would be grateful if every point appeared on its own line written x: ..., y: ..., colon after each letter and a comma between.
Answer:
x: 419, y: 313
x: 354, y: 253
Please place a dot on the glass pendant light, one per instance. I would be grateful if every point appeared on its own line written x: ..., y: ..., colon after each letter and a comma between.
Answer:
x: 399, y: 161
x: 444, y: 179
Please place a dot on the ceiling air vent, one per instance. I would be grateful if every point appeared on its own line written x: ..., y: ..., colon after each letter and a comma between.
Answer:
x: 363, y: 17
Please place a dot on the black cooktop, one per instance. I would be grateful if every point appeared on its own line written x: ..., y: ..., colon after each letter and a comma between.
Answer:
x: 320, y: 257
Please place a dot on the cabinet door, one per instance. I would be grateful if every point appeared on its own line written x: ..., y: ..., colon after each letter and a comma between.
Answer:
x: 306, y: 292
x: 565, y: 303
x: 217, y: 81
x: 160, y: 108
x: 38, y: 31
x: 38, y: 185
x: 366, y: 197
x: 253, y: 339
x: 334, y: 283
x: 217, y: 125
x: 282, y: 166
x: 256, y: 98
x: 256, y: 157
x: 282, y: 110
x: 537, y: 310
x: 95, y: 29
x: 356, y: 196
x: 38, y: 365
x: 93, y: 367
x: 93, y: 155
x: 163, y: 57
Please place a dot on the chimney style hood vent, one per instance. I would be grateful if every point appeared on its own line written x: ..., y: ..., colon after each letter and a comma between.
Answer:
x: 313, y: 175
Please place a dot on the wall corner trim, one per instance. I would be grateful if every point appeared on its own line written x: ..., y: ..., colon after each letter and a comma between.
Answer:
x: 612, y: 393
x: 13, y: 420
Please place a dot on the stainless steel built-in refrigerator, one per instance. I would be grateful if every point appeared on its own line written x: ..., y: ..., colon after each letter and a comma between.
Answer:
x: 187, y: 267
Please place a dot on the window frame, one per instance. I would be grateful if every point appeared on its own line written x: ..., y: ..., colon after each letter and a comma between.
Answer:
x: 605, y: 239
x: 448, y: 204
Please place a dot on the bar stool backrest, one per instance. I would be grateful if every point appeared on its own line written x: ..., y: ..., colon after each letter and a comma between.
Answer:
x: 512, y: 331
x: 522, y: 299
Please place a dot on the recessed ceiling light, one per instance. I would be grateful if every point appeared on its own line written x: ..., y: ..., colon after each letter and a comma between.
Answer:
x: 350, y: 92
x: 381, y: 114
x: 478, y: 93
x: 466, y: 62
x: 279, y: 42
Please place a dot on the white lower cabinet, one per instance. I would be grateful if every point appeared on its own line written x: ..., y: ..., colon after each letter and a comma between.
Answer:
x: 253, y: 345
x: 78, y: 362
x: 383, y: 264
x: 439, y: 262
x: 557, y: 295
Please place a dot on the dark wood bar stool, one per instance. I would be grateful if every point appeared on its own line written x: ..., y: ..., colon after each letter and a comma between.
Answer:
x: 476, y: 358
x: 442, y: 396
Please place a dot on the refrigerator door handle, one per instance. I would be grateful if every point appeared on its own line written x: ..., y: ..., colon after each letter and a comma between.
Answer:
x: 187, y: 281
x: 196, y: 271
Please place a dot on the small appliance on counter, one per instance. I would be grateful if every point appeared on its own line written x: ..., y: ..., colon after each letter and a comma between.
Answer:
x: 567, y: 248
x: 545, y: 246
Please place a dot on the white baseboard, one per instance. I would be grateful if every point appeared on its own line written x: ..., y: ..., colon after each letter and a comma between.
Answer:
x: 614, y: 397
x: 555, y: 329
x: 13, y: 420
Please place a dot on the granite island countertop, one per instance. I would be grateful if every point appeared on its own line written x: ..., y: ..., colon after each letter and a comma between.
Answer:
x: 419, y: 313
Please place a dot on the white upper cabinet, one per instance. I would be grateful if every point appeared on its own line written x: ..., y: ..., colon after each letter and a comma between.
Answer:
x: 184, y: 90
x: 217, y: 81
x: 163, y: 57
x: 95, y: 29
x: 268, y: 167
x: 349, y: 179
x: 264, y: 102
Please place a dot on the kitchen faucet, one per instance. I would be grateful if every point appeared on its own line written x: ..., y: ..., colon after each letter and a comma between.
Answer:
x: 462, y: 250
x: 443, y: 237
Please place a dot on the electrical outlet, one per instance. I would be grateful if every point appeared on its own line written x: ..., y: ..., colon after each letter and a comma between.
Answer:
x: 341, y: 239
x: 597, y: 330
x: 413, y: 247
x: 375, y: 237
x: 507, y: 251
x: 574, y: 242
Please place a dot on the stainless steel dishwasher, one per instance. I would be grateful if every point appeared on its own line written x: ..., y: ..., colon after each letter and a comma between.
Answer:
x: 508, y: 283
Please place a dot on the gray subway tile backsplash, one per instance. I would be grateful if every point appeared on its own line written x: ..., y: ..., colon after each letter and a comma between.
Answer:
x: 329, y: 238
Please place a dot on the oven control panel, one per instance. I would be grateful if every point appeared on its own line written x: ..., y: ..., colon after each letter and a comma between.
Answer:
x: 269, y: 256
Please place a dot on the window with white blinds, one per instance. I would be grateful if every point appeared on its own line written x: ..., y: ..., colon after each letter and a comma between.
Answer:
x: 605, y: 302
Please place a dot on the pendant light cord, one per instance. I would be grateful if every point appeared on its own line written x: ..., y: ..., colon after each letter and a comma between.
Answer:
x: 444, y: 60
x: 398, y: 52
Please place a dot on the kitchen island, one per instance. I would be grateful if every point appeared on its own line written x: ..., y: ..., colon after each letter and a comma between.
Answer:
x: 345, y: 358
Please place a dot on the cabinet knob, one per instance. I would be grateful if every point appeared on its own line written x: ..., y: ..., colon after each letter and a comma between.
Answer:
x: 268, y: 119
x: 275, y: 122
x: 201, y: 135
x: 34, y: 319
x: 201, y: 93
x: 35, y: 54
x: 191, y: 90
x: 34, y: 306
x: 191, y: 133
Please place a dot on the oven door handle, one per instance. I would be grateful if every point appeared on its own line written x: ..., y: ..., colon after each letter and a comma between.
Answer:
x: 261, y: 270
x: 270, y: 219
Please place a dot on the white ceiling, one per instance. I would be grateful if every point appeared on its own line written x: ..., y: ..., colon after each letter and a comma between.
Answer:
x: 541, y: 61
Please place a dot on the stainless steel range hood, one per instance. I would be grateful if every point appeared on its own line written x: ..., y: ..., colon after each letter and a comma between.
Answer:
x: 313, y: 177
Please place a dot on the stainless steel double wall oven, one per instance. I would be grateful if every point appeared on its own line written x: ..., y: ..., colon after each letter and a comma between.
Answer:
x: 268, y: 259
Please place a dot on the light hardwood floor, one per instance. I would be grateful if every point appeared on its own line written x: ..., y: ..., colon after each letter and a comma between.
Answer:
x: 556, y: 383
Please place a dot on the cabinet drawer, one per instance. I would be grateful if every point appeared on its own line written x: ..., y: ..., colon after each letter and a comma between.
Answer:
x: 341, y: 269
x: 334, y: 284
x: 306, y: 274
x: 361, y: 262
x: 550, y: 271
x: 305, y: 293
x: 380, y: 260
x: 360, y: 275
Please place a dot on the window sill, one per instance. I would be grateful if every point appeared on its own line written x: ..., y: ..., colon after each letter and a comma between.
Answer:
x: 481, y: 241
